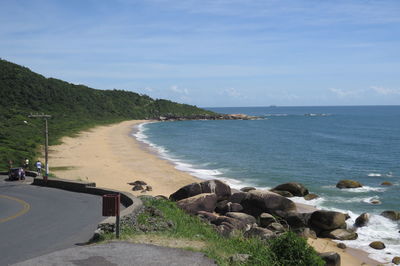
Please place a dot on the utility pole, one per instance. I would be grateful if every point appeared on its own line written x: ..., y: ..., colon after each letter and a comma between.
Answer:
x: 46, y: 146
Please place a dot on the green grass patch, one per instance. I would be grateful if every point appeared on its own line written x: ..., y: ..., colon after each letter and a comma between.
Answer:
x: 62, y: 168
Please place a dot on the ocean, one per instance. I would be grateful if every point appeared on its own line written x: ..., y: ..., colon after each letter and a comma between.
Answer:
x: 315, y: 146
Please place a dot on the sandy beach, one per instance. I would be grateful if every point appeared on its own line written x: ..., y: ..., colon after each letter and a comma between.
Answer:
x: 111, y: 157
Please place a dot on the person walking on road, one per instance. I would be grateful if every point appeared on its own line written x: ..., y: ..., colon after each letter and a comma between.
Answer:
x: 38, y: 165
x: 26, y: 163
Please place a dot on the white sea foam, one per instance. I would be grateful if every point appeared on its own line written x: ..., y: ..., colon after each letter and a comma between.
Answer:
x: 314, y: 202
x: 374, y: 174
x: 378, y: 228
x: 366, y: 189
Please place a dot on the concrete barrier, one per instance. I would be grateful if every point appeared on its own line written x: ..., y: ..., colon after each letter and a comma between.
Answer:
x: 131, y: 203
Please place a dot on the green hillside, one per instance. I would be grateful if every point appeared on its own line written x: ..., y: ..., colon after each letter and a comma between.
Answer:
x: 73, y: 108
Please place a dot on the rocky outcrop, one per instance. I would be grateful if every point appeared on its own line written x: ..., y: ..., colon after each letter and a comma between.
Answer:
x: 294, y: 188
x: 328, y: 220
x: 172, y: 117
x: 222, y: 190
x: 340, y: 234
x: 266, y: 219
x: 311, y: 196
x: 202, y: 202
x: 330, y: 258
x: 362, y: 220
x: 245, y: 218
x: 348, y: 184
x: 247, y: 189
x: 392, y: 215
x: 377, y: 245
x: 386, y: 183
x: 284, y: 193
x: 257, y: 202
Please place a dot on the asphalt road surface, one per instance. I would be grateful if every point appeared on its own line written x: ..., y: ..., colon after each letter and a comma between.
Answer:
x: 37, y: 220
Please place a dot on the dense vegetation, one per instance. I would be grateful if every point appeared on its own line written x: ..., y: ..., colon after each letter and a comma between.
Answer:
x: 72, y: 107
x: 163, y: 223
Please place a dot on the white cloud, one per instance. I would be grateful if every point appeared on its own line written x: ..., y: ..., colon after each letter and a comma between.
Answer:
x: 176, y: 89
x: 232, y: 92
x: 385, y: 91
x: 345, y: 93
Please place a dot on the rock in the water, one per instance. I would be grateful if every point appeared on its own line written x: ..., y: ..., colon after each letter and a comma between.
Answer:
x: 362, y: 220
x: 247, y: 189
x: 262, y: 233
x: 330, y: 258
x: 258, y: 202
x: 138, y: 182
x: 396, y: 260
x: 311, y: 196
x: 340, y: 234
x: 266, y: 219
x: 239, y: 258
x: 386, y: 183
x: 341, y: 245
x: 201, y: 202
x: 392, y: 215
x: 375, y: 201
x: 377, y: 245
x: 137, y: 187
x: 284, y: 193
x: 295, y: 188
x: 222, y: 190
x: 328, y: 220
x: 247, y: 219
x: 348, y: 184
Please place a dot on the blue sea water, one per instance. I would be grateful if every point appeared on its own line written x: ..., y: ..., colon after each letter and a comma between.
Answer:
x: 316, y: 146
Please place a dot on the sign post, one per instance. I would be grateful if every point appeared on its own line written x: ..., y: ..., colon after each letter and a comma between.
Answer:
x: 111, y: 204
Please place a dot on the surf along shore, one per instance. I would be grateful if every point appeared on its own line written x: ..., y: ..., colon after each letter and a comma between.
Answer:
x: 111, y: 157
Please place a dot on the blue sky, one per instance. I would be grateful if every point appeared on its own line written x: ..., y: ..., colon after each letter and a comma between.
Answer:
x: 214, y: 52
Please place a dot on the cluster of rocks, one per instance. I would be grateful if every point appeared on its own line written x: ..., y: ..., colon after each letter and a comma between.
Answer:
x: 140, y: 186
x: 267, y: 214
x: 173, y: 117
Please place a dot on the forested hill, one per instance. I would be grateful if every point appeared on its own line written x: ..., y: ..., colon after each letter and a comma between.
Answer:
x: 73, y: 108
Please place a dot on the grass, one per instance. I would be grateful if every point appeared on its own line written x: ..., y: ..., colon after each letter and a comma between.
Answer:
x: 62, y: 168
x: 163, y: 223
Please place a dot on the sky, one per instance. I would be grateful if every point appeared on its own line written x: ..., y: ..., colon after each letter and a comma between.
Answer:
x: 213, y: 53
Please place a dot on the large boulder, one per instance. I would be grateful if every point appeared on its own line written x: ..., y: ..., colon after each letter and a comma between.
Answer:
x: 297, y: 220
x: 392, y: 215
x: 224, y: 206
x: 245, y: 218
x: 259, y: 232
x: 340, y: 234
x: 238, y: 197
x: 328, y: 220
x: 222, y: 190
x: 330, y: 258
x: 234, y: 224
x: 186, y: 192
x: 209, y: 216
x: 362, y: 220
x: 377, y: 245
x: 258, y: 201
x: 294, y: 188
x: 346, y: 183
x: 266, y: 219
x: 202, y: 202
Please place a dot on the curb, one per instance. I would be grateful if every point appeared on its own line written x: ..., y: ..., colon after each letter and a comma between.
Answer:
x: 131, y: 203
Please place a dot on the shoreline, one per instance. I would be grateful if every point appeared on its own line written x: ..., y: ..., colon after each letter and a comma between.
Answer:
x: 111, y: 157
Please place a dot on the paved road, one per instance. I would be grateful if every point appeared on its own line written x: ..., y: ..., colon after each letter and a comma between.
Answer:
x: 37, y: 220
x: 120, y: 254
